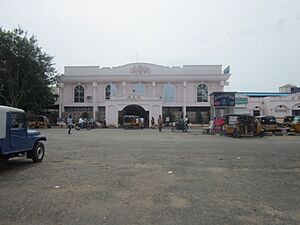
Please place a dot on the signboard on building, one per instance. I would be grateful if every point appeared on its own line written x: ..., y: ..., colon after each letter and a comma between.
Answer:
x: 241, y: 100
x: 224, y: 99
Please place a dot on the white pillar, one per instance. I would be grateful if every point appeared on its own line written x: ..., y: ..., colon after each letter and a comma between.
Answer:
x: 61, y: 101
x: 184, y: 99
x: 124, y: 88
x: 153, y: 88
x: 95, y: 85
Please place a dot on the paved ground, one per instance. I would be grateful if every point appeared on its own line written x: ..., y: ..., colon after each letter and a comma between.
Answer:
x: 116, y: 176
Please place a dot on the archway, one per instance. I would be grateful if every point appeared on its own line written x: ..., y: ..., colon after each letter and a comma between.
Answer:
x: 135, y: 110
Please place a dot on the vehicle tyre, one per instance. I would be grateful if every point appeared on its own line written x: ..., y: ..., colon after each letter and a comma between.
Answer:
x: 173, y: 128
x: 38, y: 152
x: 284, y: 131
x: 77, y: 127
x: 4, y: 159
x: 88, y: 126
x: 261, y: 134
x: 235, y: 134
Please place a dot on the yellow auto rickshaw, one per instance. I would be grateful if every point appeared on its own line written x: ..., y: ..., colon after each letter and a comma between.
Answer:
x: 131, y: 121
x: 38, y: 121
x: 239, y: 125
x: 268, y: 123
x: 296, y: 124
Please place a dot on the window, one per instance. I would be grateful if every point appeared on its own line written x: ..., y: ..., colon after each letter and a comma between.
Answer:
x: 140, y: 89
x: 110, y: 90
x: 202, y: 93
x: 256, y: 112
x: 169, y: 93
x: 17, y: 120
x: 79, y: 94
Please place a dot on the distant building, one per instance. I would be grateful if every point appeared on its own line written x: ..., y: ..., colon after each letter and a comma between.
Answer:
x: 286, y: 102
x: 142, y: 89
x: 279, y: 104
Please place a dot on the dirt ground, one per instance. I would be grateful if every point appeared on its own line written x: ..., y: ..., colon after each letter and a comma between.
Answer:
x: 130, y: 177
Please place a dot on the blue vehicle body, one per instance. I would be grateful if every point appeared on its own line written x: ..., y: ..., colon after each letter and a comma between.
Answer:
x: 15, y: 138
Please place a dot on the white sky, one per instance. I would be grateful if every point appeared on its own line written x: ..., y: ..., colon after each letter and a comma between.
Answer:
x: 260, y: 39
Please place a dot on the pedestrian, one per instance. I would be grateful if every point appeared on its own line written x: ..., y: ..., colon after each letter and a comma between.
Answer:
x: 69, y: 123
x: 142, y: 123
x: 80, y: 121
x: 187, y: 121
x: 160, y: 122
x: 152, y: 123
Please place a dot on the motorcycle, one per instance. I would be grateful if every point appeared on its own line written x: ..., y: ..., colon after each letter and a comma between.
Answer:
x: 183, y: 126
x: 84, y: 125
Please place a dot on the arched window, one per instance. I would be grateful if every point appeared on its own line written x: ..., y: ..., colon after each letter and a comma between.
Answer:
x: 202, y: 93
x: 140, y: 89
x: 78, y: 94
x: 169, y: 93
x: 110, y: 90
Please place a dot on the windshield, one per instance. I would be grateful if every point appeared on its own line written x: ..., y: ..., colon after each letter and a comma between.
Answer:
x: 297, y: 119
x: 36, y: 118
x: 268, y: 120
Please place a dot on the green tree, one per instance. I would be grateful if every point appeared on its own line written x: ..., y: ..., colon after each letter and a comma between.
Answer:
x: 26, y: 72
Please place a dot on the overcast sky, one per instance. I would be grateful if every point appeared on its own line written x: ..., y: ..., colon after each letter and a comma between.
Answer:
x: 260, y: 39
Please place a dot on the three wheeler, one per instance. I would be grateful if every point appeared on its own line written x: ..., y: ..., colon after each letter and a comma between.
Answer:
x: 296, y: 124
x: 131, y: 121
x: 268, y: 123
x: 239, y: 125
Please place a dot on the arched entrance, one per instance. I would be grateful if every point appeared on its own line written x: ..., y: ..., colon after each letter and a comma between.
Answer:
x: 135, y: 110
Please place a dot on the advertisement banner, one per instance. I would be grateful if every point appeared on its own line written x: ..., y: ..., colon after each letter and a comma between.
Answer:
x: 224, y: 99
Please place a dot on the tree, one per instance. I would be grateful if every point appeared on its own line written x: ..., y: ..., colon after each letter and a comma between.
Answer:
x: 26, y: 72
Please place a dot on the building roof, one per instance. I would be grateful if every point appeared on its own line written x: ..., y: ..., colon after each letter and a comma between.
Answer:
x: 264, y: 94
x: 144, y: 69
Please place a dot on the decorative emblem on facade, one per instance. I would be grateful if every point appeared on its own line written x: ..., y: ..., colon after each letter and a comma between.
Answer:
x: 140, y: 69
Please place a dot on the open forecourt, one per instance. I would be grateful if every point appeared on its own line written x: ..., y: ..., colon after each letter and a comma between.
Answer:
x: 117, y: 176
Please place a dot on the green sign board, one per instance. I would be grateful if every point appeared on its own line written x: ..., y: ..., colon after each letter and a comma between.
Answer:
x: 240, y: 101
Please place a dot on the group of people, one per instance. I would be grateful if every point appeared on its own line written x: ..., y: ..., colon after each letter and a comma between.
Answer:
x: 159, y: 122
x: 70, y: 125
x: 81, y: 122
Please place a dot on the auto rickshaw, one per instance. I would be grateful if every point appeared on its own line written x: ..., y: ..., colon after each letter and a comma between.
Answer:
x: 288, y: 121
x: 268, y: 123
x: 238, y: 125
x: 38, y: 121
x: 131, y: 121
x: 296, y: 124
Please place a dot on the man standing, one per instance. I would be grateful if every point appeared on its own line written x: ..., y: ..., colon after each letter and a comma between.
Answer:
x: 69, y: 123
x: 142, y: 123
x: 160, y: 122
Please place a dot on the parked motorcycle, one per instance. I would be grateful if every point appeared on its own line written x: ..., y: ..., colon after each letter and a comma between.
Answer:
x: 84, y: 125
x: 183, y: 126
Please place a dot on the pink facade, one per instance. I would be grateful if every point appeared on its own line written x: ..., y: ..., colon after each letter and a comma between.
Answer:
x: 139, y: 88
x: 275, y: 106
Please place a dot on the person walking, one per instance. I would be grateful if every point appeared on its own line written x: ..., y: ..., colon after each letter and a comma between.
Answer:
x: 152, y: 123
x: 142, y: 123
x: 160, y: 122
x: 69, y: 123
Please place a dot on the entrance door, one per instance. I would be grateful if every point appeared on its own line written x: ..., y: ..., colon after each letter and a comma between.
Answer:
x: 18, y: 132
x: 296, y: 112
x: 134, y: 110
